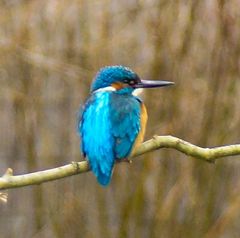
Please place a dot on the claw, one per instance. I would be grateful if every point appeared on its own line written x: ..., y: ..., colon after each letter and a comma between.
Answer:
x: 127, y: 160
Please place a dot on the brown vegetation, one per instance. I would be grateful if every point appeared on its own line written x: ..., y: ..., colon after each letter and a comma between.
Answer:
x: 49, y: 52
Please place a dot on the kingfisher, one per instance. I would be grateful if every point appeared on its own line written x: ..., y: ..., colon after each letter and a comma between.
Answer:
x: 112, y: 122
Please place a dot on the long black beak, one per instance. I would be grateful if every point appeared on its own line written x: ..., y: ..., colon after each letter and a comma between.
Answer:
x: 152, y: 84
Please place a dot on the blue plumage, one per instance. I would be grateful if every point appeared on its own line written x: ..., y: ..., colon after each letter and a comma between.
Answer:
x: 97, y: 141
x: 125, y: 119
x: 112, y: 119
x: 111, y: 74
x: 108, y: 130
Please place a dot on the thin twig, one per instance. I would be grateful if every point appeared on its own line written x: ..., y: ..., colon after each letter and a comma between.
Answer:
x: 8, y: 180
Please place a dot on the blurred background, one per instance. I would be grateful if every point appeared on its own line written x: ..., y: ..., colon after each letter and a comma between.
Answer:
x: 49, y: 52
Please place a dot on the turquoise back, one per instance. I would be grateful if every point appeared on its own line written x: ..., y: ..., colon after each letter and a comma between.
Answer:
x: 108, y: 126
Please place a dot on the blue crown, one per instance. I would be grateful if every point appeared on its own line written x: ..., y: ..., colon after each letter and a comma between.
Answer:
x: 108, y: 75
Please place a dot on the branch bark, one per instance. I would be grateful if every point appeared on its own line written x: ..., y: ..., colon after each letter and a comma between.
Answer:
x: 8, y: 180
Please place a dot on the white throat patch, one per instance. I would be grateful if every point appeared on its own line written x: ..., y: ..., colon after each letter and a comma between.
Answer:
x: 137, y: 92
x: 106, y: 89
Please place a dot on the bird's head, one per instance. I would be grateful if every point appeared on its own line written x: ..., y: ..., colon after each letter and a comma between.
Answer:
x: 119, y: 77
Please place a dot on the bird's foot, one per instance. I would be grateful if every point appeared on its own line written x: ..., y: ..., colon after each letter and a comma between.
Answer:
x: 127, y: 160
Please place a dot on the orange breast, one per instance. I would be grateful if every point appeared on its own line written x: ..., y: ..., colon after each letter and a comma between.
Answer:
x: 141, y: 134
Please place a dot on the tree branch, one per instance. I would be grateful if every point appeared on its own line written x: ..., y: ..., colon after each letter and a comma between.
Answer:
x: 8, y: 180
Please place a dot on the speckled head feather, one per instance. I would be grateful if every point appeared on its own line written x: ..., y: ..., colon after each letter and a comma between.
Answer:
x: 111, y: 74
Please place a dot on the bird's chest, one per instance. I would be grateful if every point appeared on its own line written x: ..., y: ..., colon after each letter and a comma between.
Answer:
x: 143, y: 123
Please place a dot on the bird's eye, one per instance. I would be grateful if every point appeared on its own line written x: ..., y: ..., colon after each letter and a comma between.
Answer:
x: 132, y: 82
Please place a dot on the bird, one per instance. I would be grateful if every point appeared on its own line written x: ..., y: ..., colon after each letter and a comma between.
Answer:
x: 112, y: 122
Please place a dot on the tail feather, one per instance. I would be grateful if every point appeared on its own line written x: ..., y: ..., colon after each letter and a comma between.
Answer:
x: 104, y: 179
x: 102, y: 170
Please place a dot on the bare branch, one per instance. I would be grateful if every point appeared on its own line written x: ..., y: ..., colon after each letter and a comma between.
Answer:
x: 8, y: 180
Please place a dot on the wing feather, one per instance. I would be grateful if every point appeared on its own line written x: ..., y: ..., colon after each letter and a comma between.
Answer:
x: 125, y: 118
x: 108, y: 125
x: 97, y: 141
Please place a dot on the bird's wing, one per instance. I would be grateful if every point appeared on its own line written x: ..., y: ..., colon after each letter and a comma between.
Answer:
x: 125, y: 117
x: 95, y: 131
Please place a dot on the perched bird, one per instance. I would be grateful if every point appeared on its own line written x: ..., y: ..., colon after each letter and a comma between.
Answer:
x: 112, y: 122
